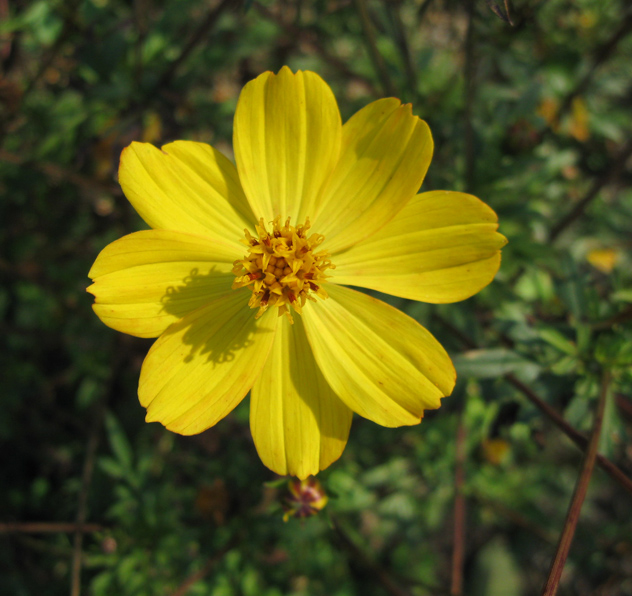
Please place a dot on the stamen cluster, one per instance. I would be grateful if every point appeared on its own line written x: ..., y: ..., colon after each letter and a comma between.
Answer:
x: 282, y: 268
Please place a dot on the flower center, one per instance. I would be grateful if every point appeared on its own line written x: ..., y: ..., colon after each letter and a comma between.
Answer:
x: 282, y: 267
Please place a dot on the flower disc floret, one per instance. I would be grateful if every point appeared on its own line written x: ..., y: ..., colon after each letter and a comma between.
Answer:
x: 282, y: 267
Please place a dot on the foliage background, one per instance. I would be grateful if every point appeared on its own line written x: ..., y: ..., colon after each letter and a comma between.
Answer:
x: 534, y: 118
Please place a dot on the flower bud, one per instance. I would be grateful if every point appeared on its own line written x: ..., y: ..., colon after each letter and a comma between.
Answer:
x: 303, y: 498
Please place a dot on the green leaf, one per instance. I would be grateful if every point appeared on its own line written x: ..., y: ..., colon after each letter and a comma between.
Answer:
x: 612, y: 430
x: 118, y: 442
x: 496, y: 571
x: 565, y: 365
x: 111, y: 467
x: 557, y: 340
x: 89, y: 391
x: 623, y: 295
x: 494, y: 363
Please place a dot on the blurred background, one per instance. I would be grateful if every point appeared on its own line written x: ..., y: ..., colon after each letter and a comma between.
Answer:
x: 530, y: 105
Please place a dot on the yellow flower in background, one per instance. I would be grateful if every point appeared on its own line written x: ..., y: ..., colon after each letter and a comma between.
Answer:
x: 604, y: 259
x: 311, y: 207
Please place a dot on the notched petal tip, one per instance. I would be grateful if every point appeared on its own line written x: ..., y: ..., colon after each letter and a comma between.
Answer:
x: 286, y: 70
x: 174, y: 427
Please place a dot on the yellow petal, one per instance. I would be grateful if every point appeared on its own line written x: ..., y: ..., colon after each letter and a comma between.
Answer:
x: 384, y: 157
x: 286, y: 139
x: 441, y: 247
x: 203, y: 365
x: 185, y: 186
x: 298, y: 423
x: 384, y: 365
x: 603, y: 259
x: 145, y: 281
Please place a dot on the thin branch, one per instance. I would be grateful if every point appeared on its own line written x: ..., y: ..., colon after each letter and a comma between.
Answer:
x: 516, y: 518
x: 602, y: 54
x: 503, y: 16
x: 190, y: 581
x: 374, y: 568
x: 422, y: 10
x: 88, y: 468
x: 577, y: 211
x: 581, y: 488
x: 311, y: 40
x: 401, y: 41
x: 47, y: 527
x: 622, y: 317
x: 57, y: 174
x: 458, y: 551
x: 371, y: 44
x: 69, y: 27
x: 82, y: 509
x: 469, y: 75
x: 612, y: 469
x: 140, y: 13
x: 198, y: 36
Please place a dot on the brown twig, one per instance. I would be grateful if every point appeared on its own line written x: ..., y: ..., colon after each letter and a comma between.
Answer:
x: 380, y: 574
x: 199, y: 35
x: 621, y: 317
x: 579, y: 494
x: 602, y: 54
x: 503, y: 16
x: 516, y: 518
x: 57, y: 174
x: 88, y: 468
x: 371, y: 45
x: 205, y: 570
x: 458, y: 550
x: 401, y: 40
x: 82, y: 509
x: 613, y: 171
x: 470, y: 155
x: 311, y: 40
x: 68, y: 28
x: 423, y: 9
x: 580, y: 440
x: 612, y: 469
x: 47, y: 527
x: 140, y: 14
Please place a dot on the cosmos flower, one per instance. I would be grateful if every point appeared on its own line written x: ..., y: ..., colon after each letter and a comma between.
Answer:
x: 244, y: 275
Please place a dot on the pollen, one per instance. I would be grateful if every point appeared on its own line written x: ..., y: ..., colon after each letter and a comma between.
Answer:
x: 283, y: 267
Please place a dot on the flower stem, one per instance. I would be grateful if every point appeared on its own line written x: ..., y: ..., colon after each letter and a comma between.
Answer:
x: 572, y: 516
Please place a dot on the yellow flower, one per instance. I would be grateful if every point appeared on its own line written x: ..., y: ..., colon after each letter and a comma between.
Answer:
x: 311, y: 207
